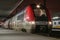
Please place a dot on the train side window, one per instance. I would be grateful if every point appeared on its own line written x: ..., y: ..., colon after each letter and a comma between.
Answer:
x: 58, y: 22
x: 55, y: 23
x: 20, y: 17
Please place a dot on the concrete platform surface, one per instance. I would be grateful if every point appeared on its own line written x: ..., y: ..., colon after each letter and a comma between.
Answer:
x: 6, y: 34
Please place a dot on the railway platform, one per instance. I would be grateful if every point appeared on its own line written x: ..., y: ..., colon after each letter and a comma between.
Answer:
x: 6, y: 34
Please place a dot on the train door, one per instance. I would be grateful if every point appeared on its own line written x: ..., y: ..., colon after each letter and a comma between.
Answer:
x: 10, y: 23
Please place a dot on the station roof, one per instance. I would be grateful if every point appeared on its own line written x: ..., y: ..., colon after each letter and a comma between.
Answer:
x: 7, y: 6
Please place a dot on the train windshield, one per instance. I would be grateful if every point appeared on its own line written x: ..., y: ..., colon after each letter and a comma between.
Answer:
x: 40, y: 14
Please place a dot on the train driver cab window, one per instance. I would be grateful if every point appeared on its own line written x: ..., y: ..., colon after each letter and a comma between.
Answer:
x: 39, y: 12
x: 54, y: 23
x: 20, y: 17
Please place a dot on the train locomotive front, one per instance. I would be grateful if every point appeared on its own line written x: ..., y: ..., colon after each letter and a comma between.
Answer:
x: 37, y: 19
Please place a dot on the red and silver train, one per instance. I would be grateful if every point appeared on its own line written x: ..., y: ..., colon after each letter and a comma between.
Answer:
x: 33, y: 18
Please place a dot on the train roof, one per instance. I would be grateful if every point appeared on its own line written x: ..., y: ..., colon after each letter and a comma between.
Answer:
x: 56, y: 18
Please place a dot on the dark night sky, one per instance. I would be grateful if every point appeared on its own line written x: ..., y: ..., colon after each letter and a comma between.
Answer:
x: 54, y: 6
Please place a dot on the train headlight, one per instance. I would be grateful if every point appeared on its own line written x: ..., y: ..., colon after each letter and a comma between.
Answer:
x: 38, y: 6
x: 32, y: 22
x: 50, y: 22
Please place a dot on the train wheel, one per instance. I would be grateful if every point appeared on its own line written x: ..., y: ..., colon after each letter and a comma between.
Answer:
x: 43, y: 29
x: 37, y: 29
x: 49, y: 32
x: 24, y: 30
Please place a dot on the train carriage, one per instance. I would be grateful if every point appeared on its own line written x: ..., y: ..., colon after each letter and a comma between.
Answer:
x: 37, y: 18
x: 56, y: 24
x: 33, y: 18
